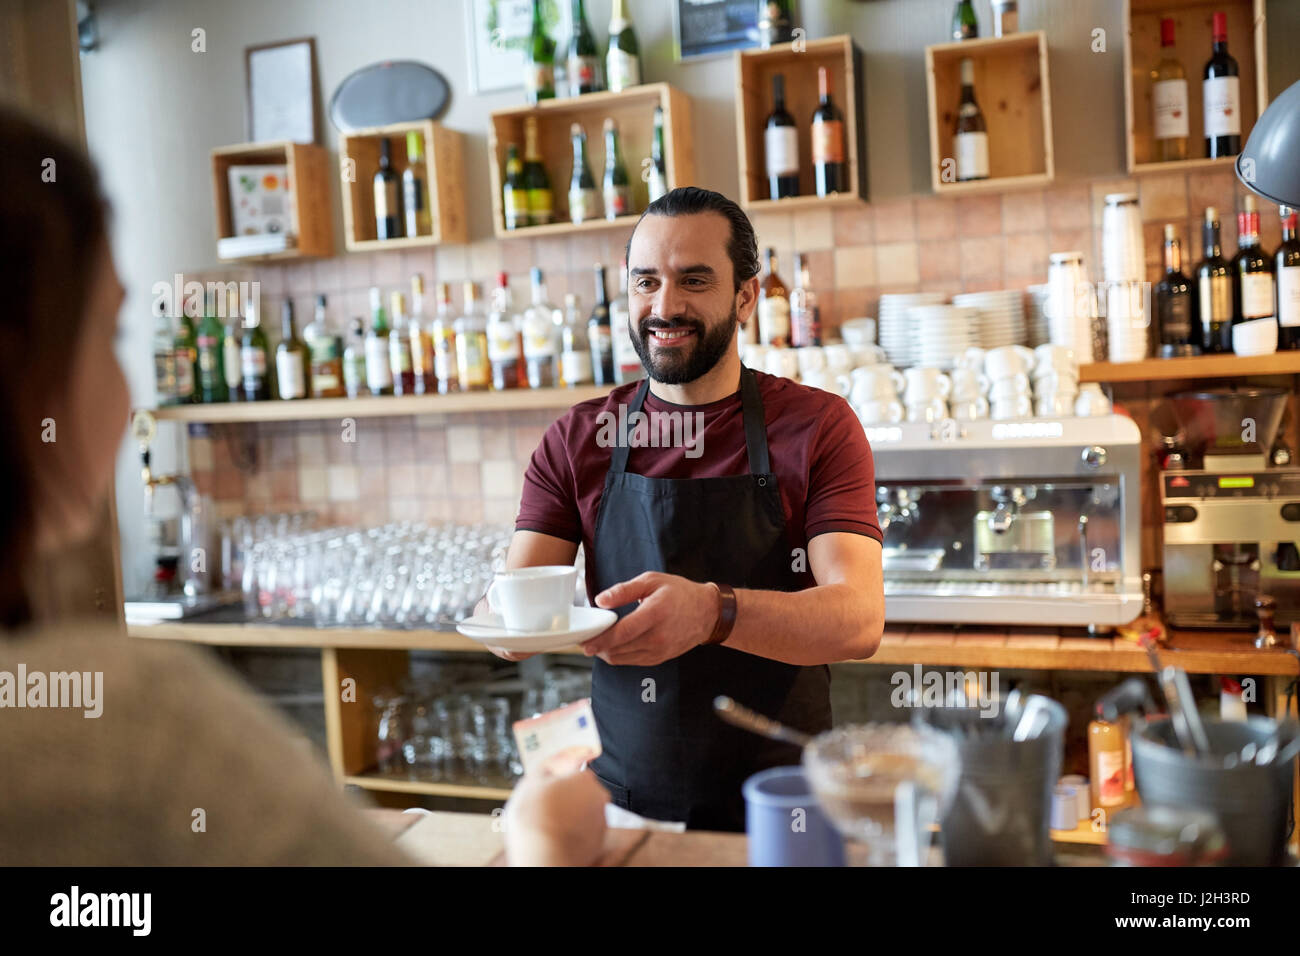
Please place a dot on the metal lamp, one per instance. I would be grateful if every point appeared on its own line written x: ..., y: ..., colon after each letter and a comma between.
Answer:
x: 1270, y: 163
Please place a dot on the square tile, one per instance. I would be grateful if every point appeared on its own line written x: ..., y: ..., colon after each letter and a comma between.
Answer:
x: 813, y: 229
x: 1024, y: 211
x: 981, y: 260
x: 1024, y: 256
x: 343, y: 482
x: 357, y: 271
x: 939, y: 259
x: 979, y: 216
x: 500, y: 479
x: 464, y: 444
x: 495, y: 441
x: 1068, y: 207
x: 200, y: 453
x: 453, y: 263
x: 894, y: 220
x: 773, y: 229
x: 401, y: 480
x: 484, y: 257
x: 852, y: 226
x: 551, y: 254
x: 855, y: 266
x: 431, y: 479
x: 501, y: 511
x: 465, y: 480
x: 329, y: 276
x: 936, y: 217
x: 898, y: 261
x: 389, y: 274
x: 312, y: 483
x: 1163, y: 198
x: 524, y: 441
x: 372, y: 481
x: 300, y: 278
x: 284, y: 483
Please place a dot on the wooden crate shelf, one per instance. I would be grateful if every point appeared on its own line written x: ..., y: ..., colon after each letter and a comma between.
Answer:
x: 632, y: 109
x: 754, y: 72
x: 444, y: 178
x: 1199, y: 366
x: 1193, y: 40
x: 1013, y: 89
x: 374, y: 781
x: 308, y: 176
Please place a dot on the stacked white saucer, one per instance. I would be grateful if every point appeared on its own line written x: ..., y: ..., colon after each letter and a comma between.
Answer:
x: 897, y: 335
x: 944, y: 333
x: 1001, y: 316
x: 1037, y: 331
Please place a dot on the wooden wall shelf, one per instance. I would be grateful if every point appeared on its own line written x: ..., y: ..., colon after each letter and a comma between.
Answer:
x: 374, y: 781
x: 1200, y: 366
x: 632, y: 109
x: 1013, y: 89
x: 1193, y: 40
x: 754, y: 72
x: 309, y: 409
x: 444, y: 178
x: 309, y: 214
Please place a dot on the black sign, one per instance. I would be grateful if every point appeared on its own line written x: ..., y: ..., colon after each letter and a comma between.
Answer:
x: 715, y: 26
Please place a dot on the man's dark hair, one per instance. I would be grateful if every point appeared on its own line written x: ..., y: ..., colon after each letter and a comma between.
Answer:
x: 742, y: 247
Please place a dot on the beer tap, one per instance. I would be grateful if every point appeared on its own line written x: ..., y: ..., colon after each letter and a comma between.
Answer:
x: 144, y: 428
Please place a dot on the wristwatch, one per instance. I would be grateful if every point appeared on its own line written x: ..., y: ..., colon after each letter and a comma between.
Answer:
x: 726, y: 614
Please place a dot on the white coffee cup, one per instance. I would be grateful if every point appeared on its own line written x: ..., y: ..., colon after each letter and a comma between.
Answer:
x: 858, y: 331
x: 811, y: 359
x: 972, y: 358
x: 1056, y: 382
x: 1255, y: 337
x: 828, y: 381
x: 1055, y: 404
x: 1008, y: 360
x: 534, y: 599
x: 887, y: 412
x: 874, y: 382
x: 868, y: 355
x: 968, y: 383
x: 754, y: 356
x: 783, y: 362
x: 839, y: 357
x: 1092, y: 401
x: 1050, y: 357
x: 934, y: 410
x: 970, y: 409
x: 924, y: 384
x: 1012, y: 408
x: 1007, y: 389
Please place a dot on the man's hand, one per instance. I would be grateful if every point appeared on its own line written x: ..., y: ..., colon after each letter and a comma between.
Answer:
x: 673, y: 616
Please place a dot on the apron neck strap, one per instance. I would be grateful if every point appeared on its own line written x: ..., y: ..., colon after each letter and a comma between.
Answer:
x: 751, y: 405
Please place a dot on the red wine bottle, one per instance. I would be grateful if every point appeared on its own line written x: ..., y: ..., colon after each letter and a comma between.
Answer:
x: 1175, y: 305
x: 1221, y: 95
x: 1287, y: 261
x: 1252, y: 286
x: 1214, y: 289
x: 781, y: 146
x: 829, y: 169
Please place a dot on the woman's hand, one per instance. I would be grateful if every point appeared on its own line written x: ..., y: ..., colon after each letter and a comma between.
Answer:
x: 556, y: 820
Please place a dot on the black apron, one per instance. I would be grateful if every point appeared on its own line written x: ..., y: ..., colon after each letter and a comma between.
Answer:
x: 666, y: 755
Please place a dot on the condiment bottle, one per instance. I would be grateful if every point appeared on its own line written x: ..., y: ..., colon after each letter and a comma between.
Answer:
x: 1107, y: 767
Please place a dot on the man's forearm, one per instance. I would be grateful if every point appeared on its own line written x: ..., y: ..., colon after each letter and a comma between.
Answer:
x: 822, y: 625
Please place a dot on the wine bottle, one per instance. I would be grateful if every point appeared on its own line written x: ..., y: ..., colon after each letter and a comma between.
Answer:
x: 970, y: 138
x: 212, y: 375
x: 388, y: 219
x: 1175, y: 306
x: 781, y: 146
x: 542, y: 325
x: 964, y: 24
x: 575, y: 349
x: 1221, y: 96
x: 253, y: 351
x: 1169, y: 125
x: 539, y: 71
x: 658, y: 182
x: 415, y: 195
x: 829, y: 169
x: 514, y: 194
x: 505, y: 348
x: 292, y: 366
x: 379, y: 370
x: 775, y: 24
x: 536, y: 183
x: 805, y: 316
x: 326, y: 349
x: 618, y: 191
x: 417, y: 330
x: 1287, y: 261
x: 599, y: 335
x: 354, y: 359
x: 473, y: 372
x: 230, y: 342
x: 627, y: 363
x: 583, y: 198
x: 187, y: 357
x: 164, y: 357
x: 623, y: 58
x: 1253, y: 294
x: 1214, y: 289
x: 583, y: 65
x: 443, y: 334
x: 773, y: 307
x: 400, y: 360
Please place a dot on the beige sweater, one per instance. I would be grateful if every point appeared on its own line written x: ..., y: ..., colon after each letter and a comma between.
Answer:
x: 178, y: 733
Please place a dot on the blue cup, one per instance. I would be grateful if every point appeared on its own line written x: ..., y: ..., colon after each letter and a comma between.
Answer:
x: 784, y: 823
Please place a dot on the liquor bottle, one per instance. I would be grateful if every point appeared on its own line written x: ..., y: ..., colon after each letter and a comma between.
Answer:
x: 1221, y: 96
x: 1175, y: 306
x: 254, y: 349
x: 575, y: 347
x: 773, y: 307
x: 443, y: 333
x: 354, y: 359
x: 537, y: 184
x: 583, y: 198
x: 618, y: 191
x: 829, y: 168
x: 504, y: 339
x: 292, y: 363
x: 583, y: 62
x: 623, y: 57
x: 379, y: 373
x: 473, y: 373
x: 1214, y: 289
x: 781, y: 146
x: 1106, y: 758
x: 212, y: 374
x: 1169, y: 121
x: 164, y: 358
x: 187, y: 356
x: 627, y: 363
x: 805, y: 315
x: 388, y: 219
x: 542, y: 335
x: 658, y: 181
x: 964, y: 24
x: 774, y: 23
x: 1287, y: 261
x: 417, y: 330
x: 598, y: 334
x: 1254, y: 296
x: 539, y: 75
x: 326, y: 349
x: 399, y: 348
x: 415, y: 193
x: 970, y: 137
x: 230, y: 342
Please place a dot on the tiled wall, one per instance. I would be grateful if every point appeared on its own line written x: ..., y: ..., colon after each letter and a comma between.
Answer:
x: 470, y: 467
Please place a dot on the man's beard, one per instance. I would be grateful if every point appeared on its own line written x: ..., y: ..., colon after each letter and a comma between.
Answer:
x: 667, y: 366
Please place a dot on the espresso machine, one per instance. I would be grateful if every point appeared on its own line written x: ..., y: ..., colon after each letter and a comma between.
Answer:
x: 1231, y: 516
x: 1033, y: 522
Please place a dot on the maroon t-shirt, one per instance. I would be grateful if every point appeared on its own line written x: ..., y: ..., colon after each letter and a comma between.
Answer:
x: 816, y: 444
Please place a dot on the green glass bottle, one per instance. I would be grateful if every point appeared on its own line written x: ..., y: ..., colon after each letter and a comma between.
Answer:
x: 187, y: 354
x: 514, y: 194
x: 964, y: 24
x: 658, y: 181
x: 539, y: 75
x: 583, y: 62
x: 618, y: 192
x: 536, y: 183
x: 583, y: 198
x: 623, y: 58
x: 253, y: 351
x: 212, y: 374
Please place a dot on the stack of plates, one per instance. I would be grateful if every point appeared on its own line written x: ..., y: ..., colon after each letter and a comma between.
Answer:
x: 1001, y: 316
x: 944, y: 332
x: 897, y: 336
x: 1037, y: 331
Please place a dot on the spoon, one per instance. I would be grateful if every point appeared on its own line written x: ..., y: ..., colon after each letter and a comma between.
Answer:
x: 741, y: 716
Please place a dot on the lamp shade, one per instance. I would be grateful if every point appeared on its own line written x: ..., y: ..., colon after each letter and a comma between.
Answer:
x: 1270, y: 163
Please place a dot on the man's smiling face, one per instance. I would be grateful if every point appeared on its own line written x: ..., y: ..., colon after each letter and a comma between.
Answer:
x: 681, y: 295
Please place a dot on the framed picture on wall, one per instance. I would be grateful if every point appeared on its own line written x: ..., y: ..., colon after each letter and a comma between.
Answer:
x: 282, y: 91
x: 498, y: 38
x: 710, y: 27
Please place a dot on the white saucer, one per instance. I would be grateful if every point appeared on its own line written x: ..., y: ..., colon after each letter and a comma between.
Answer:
x: 584, y: 623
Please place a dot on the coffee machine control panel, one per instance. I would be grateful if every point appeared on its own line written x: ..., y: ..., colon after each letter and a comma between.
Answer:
x: 1275, y: 483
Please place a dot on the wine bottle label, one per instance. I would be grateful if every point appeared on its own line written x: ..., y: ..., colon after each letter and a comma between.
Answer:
x: 774, y: 320
x: 539, y: 206
x: 184, y: 373
x: 1169, y: 108
x: 781, y: 148
x: 617, y: 201
x: 1110, y: 774
x: 289, y: 375
x: 1223, y: 106
x: 582, y: 205
x: 972, y: 155
x: 1288, y: 300
x: 1176, y: 319
x: 399, y: 354
x: 622, y: 69
x: 1256, y: 295
x: 354, y: 372
x: 413, y: 203
x: 516, y: 207
x: 503, y: 343
x: 326, y: 348
x: 828, y: 142
x: 208, y: 366
x: 539, y: 78
x: 602, y: 342
x: 581, y: 72
x: 472, y: 361
x: 230, y: 357
x: 252, y: 361
x: 385, y: 197
x: 539, y: 344
x: 379, y: 374
x: 1215, y: 295
x: 576, y: 367
x: 324, y: 380
x: 444, y: 354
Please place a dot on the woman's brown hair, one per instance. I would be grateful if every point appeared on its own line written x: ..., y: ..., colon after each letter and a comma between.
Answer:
x: 52, y: 228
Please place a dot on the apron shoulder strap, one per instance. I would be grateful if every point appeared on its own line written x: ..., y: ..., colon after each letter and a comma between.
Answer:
x: 755, y: 427
x: 618, y: 459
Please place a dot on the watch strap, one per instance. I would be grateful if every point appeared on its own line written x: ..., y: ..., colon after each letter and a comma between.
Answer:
x: 726, y: 614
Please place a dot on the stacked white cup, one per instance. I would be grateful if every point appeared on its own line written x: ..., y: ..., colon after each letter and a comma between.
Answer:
x: 970, y: 387
x: 1056, y: 381
x: 873, y: 393
x: 1007, y: 369
x: 1128, y: 319
x: 926, y: 393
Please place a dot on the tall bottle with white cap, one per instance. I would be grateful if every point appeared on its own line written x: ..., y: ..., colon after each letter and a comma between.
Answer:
x: 1253, y: 293
x: 1214, y: 294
